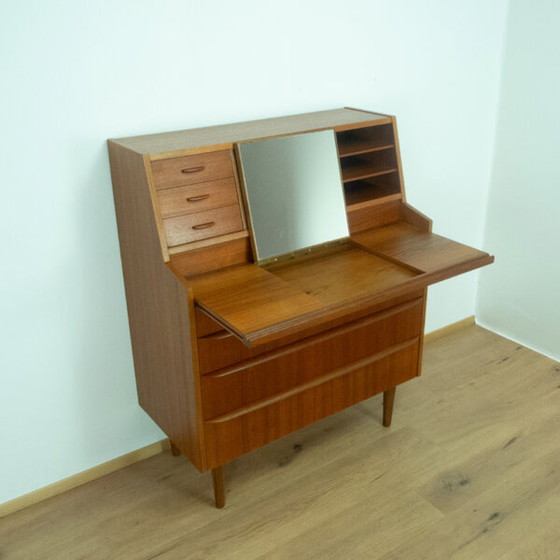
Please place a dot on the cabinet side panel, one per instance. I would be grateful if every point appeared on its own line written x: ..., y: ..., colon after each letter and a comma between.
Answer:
x: 159, y: 311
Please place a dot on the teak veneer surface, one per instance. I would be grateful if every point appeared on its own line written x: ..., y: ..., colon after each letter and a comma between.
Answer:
x: 341, y: 275
x: 247, y: 299
x: 159, y: 326
x: 240, y: 382
x: 423, y: 250
x: 223, y: 136
x: 230, y: 355
x: 232, y: 435
x: 261, y: 304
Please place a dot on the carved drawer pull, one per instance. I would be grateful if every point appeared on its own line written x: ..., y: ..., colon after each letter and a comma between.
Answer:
x: 193, y: 169
x: 204, y: 226
x: 198, y: 198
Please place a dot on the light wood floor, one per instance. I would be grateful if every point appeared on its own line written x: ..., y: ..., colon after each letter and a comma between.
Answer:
x: 470, y: 469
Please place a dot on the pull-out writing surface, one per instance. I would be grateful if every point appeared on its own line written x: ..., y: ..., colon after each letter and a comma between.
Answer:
x: 262, y: 304
x: 249, y: 301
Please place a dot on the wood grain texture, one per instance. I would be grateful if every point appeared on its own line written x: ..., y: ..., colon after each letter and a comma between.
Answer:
x: 414, y: 217
x: 219, y: 350
x: 159, y: 326
x: 219, y: 486
x: 388, y: 405
x: 230, y: 356
x: 198, y: 197
x: 407, y: 244
x: 365, y: 140
x: 224, y: 136
x: 261, y: 305
x: 365, y: 217
x: 215, y: 254
x: 336, y: 281
x: 231, y: 435
x: 468, y: 471
x: 398, y: 156
x: 202, y: 225
x: 275, y: 372
x: 248, y: 299
x: 341, y: 275
x: 188, y: 170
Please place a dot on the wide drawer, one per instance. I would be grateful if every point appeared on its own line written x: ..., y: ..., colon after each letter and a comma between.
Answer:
x: 217, y: 350
x: 231, y: 435
x: 275, y: 372
x: 202, y: 225
x: 199, y: 197
x: 186, y: 170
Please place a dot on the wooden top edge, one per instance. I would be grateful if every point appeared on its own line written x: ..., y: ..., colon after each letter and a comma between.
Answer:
x: 223, y: 136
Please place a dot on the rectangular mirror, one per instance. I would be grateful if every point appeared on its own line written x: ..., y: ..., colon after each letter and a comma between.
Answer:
x: 294, y: 192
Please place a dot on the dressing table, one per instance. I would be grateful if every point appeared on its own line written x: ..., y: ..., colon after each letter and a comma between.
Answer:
x: 236, y: 344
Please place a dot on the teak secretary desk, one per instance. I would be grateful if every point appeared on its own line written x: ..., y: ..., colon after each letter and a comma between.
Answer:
x: 231, y: 353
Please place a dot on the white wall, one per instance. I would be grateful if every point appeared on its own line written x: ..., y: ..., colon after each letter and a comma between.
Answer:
x: 520, y: 293
x: 76, y: 73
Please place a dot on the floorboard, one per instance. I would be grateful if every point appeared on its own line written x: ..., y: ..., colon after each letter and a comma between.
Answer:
x: 470, y: 469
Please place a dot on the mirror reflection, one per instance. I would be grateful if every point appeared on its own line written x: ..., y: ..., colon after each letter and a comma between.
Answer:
x: 294, y: 192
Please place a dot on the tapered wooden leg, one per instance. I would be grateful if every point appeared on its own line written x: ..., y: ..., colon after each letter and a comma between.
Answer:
x: 219, y: 484
x: 174, y: 451
x: 388, y: 402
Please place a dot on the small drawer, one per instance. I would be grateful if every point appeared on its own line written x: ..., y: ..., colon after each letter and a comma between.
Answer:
x: 187, y: 170
x: 202, y: 225
x: 197, y: 198
x: 283, y: 369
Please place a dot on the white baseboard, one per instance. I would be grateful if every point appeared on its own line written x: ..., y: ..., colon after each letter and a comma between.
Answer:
x: 82, y: 477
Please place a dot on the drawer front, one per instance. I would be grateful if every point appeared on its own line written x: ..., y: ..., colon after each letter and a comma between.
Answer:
x: 232, y: 435
x: 274, y: 373
x: 199, y: 197
x: 202, y: 225
x: 174, y: 172
x: 219, y: 350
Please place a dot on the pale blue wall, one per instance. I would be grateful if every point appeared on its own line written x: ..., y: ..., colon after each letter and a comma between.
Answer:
x: 75, y: 73
x: 519, y: 295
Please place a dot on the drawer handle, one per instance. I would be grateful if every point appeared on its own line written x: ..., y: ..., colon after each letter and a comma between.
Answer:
x: 220, y: 335
x: 193, y: 169
x: 204, y: 226
x: 198, y: 198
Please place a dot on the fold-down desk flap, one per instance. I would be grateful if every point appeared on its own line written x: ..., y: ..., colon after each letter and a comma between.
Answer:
x: 250, y: 301
x: 262, y: 304
x: 436, y: 257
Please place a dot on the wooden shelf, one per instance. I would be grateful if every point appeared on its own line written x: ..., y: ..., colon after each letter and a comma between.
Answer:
x: 358, y: 146
x: 364, y: 170
x: 370, y: 194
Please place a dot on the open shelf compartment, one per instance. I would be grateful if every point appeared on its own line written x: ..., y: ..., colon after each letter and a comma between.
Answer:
x: 369, y: 165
